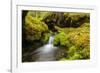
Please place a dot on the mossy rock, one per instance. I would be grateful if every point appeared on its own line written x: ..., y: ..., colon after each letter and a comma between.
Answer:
x: 45, y: 38
x: 34, y: 27
x: 61, y: 39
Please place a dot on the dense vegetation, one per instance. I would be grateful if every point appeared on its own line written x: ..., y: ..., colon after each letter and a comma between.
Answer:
x: 71, y: 32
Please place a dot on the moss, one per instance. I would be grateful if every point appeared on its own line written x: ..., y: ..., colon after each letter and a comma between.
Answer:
x: 76, y: 45
x: 34, y: 27
x: 60, y: 39
x: 45, y: 38
x: 72, y: 50
x: 85, y: 53
x: 76, y: 56
x: 56, y: 41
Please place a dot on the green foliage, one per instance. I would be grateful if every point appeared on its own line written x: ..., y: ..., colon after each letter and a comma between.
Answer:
x: 85, y: 53
x: 76, y: 56
x: 61, y: 39
x: 72, y: 50
x: 77, y: 38
x: 56, y: 40
x: 45, y: 38
x: 78, y: 42
x: 34, y: 27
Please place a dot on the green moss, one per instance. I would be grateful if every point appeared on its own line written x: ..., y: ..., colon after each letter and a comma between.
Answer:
x: 85, y: 53
x: 61, y: 39
x: 72, y: 50
x: 45, y: 38
x: 56, y: 41
x: 76, y: 56
x: 34, y: 27
x: 76, y: 45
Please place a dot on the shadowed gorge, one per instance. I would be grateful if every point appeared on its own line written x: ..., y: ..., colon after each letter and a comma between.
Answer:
x: 55, y: 36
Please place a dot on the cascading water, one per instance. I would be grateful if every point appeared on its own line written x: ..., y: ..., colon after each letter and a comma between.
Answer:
x: 51, y: 40
x: 47, y: 52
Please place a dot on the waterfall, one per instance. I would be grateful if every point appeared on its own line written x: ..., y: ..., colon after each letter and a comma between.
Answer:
x: 49, y: 47
x: 46, y: 52
x: 51, y: 40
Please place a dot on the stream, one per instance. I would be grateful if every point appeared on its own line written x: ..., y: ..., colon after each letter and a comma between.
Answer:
x: 46, y: 52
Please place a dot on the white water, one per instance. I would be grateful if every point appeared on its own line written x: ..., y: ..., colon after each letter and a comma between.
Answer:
x: 46, y: 53
x: 51, y: 40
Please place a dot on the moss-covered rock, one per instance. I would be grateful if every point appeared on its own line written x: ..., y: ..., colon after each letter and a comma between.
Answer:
x: 45, y: 38
x: 34, y: 27
x: 78, y: 42
x: 61, y: 39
